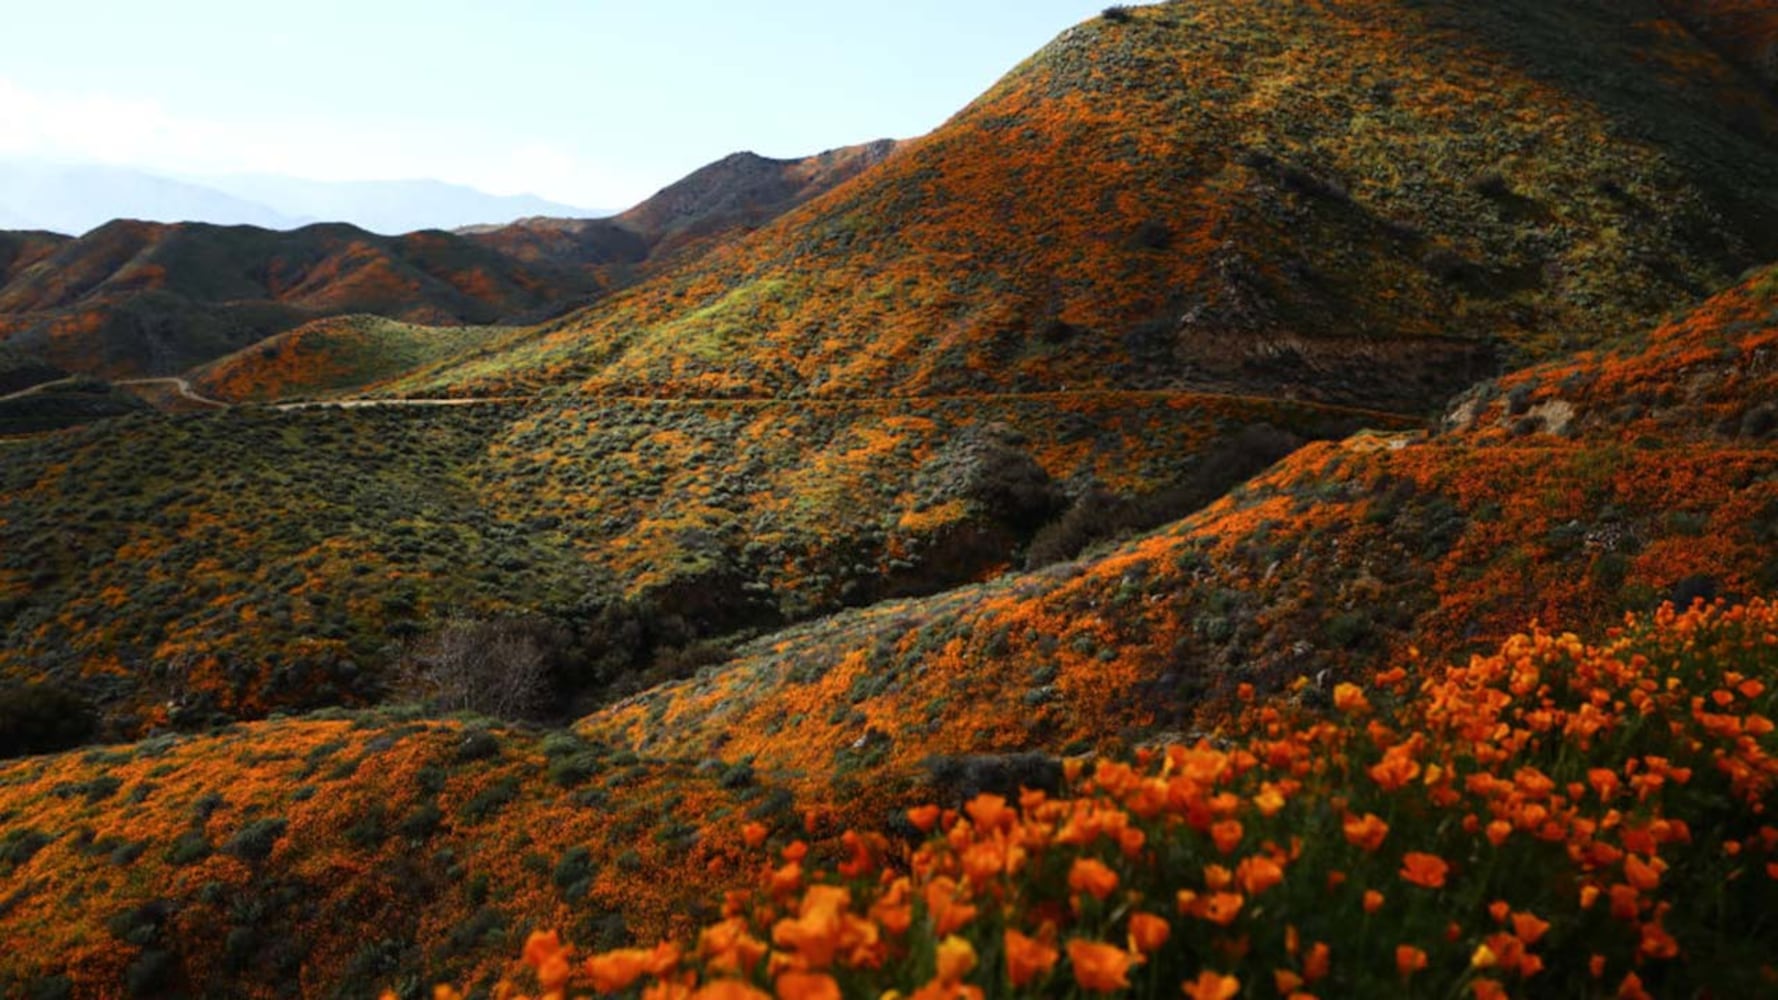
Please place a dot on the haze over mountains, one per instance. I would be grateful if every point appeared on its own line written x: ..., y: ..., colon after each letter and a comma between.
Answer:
x: 1233, y: 370
x: 74, y: 199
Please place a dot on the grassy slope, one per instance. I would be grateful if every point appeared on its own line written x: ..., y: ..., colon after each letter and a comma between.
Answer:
x: 19, y: 370
x: 1356, y: 201
x: 330, y: 356
x: 245, y: 561
x: 1341, y: 552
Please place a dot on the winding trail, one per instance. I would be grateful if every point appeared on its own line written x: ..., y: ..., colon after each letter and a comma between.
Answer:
x: 183, y: 388
x: 39, y: 387
x: 181, y: 385
x: 1384, y: 416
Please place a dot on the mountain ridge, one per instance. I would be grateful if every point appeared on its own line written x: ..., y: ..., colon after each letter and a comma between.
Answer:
x: 127, y: 299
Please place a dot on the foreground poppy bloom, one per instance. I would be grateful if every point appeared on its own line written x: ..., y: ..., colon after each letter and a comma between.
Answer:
x: 1366, y: 832
x: 1099, y: 966
x: 1027, y: 958
x: 924, y: 818
x: 1221, y: 907
x: 956, y: 959
x: 614, y: 971
x: 1257, y: 874
x: 1409, y: 959
x: 1349, y: 698
x: 1396, y: 769
x: 1426, y: 870
x: 1092, y: 877
x: 1212, y: 986
x: 1148, y: 933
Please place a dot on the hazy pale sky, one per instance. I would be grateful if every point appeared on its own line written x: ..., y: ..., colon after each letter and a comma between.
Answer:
x: 589, y: 102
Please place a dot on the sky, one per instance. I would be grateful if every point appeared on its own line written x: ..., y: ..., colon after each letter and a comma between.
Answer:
x: 592, y: 103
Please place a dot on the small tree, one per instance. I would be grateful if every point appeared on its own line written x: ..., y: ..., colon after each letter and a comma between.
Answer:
x: 497, y: 668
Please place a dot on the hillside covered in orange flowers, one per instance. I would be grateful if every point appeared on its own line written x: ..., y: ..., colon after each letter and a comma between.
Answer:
x: 1360, y: 202
x: 1269, y: 500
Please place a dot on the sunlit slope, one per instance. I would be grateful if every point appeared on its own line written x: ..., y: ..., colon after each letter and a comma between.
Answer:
x: 1375, y: 202
x: 330, y: 357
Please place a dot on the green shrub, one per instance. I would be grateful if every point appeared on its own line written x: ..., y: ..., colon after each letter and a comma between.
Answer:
x: 42, y: 718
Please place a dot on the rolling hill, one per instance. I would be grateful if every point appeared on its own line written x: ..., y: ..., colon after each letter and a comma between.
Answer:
x: 1565, y: 493
x: 1255, y: 198
x: 133, y: 299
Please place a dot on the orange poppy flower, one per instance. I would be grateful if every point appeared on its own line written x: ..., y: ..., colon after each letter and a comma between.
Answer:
x: 1425, y: 870
x: 1373, y: 900
x: 1409, y: 959
x: 1212, y: 986
x: 541, y: 946
x: 1227, y: 835
x: 990, y: 812
x: 1396, y: 769
x: 614, y: 971
x: 1091, y: 876
x: 1257, y: 874
x: 1148, y: 933
x: 1350, y: 699
x: 1269, y: 800
x: 948, y: 913
x: 924, y: 818
x: 956, y: 959
x: 1640, y: 873
x: 1366, y: 832
x: 728, y: 948
x: 1221, y: 908
x: 1528, y: 928
x: 1098, y: 966
x: 1316, y: 962
x: 1027, y: 958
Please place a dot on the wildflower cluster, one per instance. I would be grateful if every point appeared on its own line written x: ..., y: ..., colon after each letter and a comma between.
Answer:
x: 1556, y: 818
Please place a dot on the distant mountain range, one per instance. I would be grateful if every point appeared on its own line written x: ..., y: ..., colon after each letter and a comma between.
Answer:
x: 77, y: 199
x: 133, y: 298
